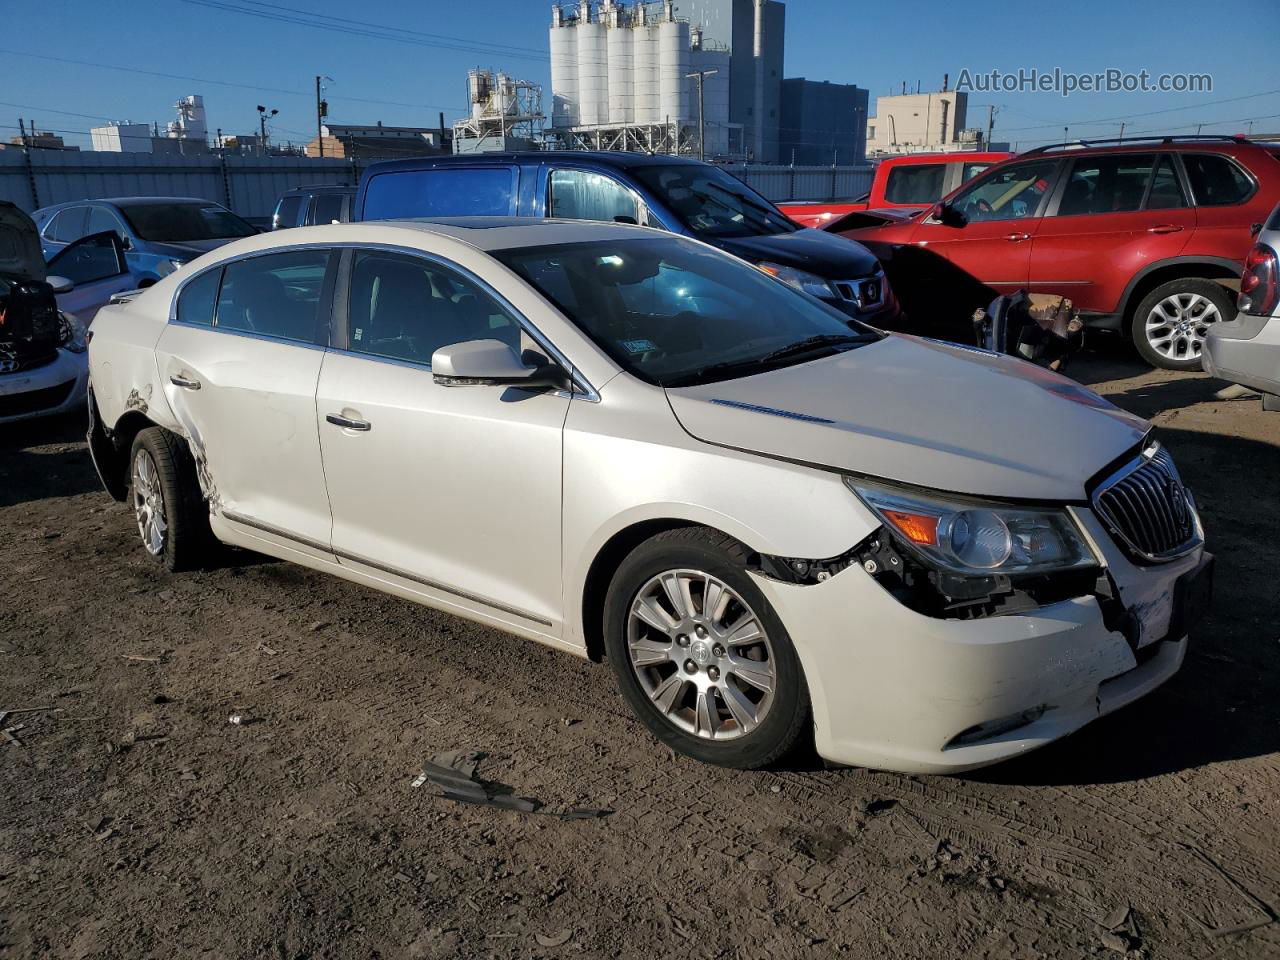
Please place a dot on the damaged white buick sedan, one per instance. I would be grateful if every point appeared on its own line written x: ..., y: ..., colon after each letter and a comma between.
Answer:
x: 629, y: 445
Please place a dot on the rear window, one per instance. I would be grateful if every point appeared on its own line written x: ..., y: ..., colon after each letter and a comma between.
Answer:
x: 442, y: 192
x: 921, y: 183
x: 328, y: 208
x: 176, y: 222
x: 286, y: 213
x: 1215, y: 180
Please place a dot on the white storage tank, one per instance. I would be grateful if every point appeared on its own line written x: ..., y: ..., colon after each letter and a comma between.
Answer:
x: 593, y: 77
x: 564, y: 71
x: 619, y: 44
x: 673, y: 65
x: 644, y: 90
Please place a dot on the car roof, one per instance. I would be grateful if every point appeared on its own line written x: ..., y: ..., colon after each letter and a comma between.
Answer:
x: 131, y: 201
x: 1156, y: 144
x: 616, y: 159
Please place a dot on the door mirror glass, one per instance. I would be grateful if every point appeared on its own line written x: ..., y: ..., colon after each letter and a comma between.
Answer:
x: 60, y: 284
x: 487, y: 363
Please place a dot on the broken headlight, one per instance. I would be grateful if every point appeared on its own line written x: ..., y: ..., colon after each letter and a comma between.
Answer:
x: 71, y: 333
x: 974, y: 539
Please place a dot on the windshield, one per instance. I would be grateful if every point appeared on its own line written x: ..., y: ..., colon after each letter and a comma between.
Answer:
x: 676, y: 313
x: 711, y: 203
x: 176, y: 222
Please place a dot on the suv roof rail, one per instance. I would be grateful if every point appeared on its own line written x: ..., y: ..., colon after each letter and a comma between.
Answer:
x: 315, y: 186
x: 1156, y: 138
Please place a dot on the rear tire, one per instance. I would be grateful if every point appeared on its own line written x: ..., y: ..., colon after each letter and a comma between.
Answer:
x: 1170, y: 322
x: 173, y: 520
x: 712, y: 673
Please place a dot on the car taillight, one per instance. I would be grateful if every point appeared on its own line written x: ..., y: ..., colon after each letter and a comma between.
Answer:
x: 1259, y: 289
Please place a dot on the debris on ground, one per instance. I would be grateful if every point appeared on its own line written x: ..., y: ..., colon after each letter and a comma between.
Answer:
x: 874, y: 808
x: 454, y: 772
x: 10, y: 734
x: 137, y: 658
x: 553, y: 939
x: 242, y: 718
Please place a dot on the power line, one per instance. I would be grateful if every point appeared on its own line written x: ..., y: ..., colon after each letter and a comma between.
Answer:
x: 1135, y: 116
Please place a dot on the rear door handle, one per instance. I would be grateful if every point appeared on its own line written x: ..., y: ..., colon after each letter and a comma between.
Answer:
x: 1018, y: 237
x: 1164, y: 228
x: 347, y: 423
x: 185, y: 383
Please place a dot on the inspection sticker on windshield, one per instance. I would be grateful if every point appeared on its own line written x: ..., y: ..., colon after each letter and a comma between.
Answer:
x: 638, y: 346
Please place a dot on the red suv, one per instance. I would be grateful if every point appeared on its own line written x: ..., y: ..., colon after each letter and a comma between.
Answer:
x: 1144, y: 236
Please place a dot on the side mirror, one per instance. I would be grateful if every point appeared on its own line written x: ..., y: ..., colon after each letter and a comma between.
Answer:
x: 60, y: 284
x: 949, y: 216
x: 489, y: 363
x: 126, y: 243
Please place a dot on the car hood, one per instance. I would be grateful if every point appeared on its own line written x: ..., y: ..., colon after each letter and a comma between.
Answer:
x: 20, y: 255
x: 818, y: 252
x: 921, y: 412
x: 186, y: 249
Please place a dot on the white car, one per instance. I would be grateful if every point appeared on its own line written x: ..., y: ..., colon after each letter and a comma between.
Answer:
x: 44, y: 311
x: 630, y: 445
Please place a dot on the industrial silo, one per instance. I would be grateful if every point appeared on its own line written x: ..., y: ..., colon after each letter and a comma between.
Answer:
x: 593, y: 76
x: 673, y: 66
x: 644, y: 72
x: 619, y: 43
x: 564, y: 71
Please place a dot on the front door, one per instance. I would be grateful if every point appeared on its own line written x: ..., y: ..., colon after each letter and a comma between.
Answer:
x: 239, y: 364
x: 453, y: 492
x: 96, y: 265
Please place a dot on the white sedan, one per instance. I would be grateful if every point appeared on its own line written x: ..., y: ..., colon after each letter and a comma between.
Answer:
x: 630, y: 445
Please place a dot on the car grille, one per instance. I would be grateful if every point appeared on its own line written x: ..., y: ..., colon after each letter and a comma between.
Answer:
x: 12, y: 362
x: 1149, y: 509
x: 867, y: 292
x: 33, y: 401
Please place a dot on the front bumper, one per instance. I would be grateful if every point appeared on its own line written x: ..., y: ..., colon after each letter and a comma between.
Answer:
x: 1246, y: 351
x: 57, y: 387
x: 893, y: 689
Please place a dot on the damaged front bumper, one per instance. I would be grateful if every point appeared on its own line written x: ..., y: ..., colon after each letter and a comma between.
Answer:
x: 50, y: 389
x: 897, y: 690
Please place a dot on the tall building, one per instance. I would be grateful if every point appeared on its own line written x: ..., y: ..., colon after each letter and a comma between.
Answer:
x: 921, y: 123
x: 621, y: 76
x: 822, y: 122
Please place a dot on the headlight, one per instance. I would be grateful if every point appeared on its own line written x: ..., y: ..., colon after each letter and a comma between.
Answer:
x: 166, y: 267
x: 804, y: 282
x: 72, y: 334
x: 977, y: 539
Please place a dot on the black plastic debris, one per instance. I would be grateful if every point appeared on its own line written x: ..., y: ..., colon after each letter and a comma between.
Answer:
x: 454, y: 773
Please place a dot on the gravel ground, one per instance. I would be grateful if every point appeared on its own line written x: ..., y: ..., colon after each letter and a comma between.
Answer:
x: 136, y: 821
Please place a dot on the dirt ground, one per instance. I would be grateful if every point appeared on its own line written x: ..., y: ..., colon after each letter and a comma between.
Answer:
x: 136, y: 821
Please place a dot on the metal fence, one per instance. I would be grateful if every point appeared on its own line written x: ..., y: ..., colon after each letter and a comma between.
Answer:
x: 251, y: 185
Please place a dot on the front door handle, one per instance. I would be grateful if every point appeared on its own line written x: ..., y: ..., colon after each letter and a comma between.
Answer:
x: 346, y: 422
x: 1018, y: 237
x: 185, y: 383
x: 1164, y: 228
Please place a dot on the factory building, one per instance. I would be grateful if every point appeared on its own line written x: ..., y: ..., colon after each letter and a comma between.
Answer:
x: 621, y: 76
x: 930, y: 122
x: 823, y: 123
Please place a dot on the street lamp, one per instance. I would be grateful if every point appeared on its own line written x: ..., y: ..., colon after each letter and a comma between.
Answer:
x: 263, y: 114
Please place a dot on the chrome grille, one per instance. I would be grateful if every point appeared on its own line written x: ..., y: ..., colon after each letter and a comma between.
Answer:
x: 1149, y: 509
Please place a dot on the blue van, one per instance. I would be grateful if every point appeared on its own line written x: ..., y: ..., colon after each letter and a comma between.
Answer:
x: 676, y: 194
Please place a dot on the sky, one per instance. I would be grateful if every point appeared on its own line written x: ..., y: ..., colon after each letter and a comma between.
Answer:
x: 402, y: 63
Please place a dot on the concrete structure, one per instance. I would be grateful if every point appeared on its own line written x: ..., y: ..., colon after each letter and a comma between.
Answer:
x: 620, y: 75
x: 39, y: 140
x: 368, y: 142
x: 822, y: 122
x: 190, y: 124
x: 122, y: 138
x: 921, y: 123
x: 503, y: 114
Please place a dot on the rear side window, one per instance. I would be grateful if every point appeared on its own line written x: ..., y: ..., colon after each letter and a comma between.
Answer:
x: 277, y: 295
x: 442, y: 192
x: 67, y: 225
x: 286, y: 213
x: 1166, y: 188
x: 328, y: 208
x: 921, y: 183
x: 971, y: 170
x: 1114, y: 184
x: 197, y: 299
x: 1215, y: 180
x: 100, y: 220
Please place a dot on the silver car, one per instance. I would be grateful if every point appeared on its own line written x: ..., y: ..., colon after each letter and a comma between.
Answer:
x: 1247, y: 350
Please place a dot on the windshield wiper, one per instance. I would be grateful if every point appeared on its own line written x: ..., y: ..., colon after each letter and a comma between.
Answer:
x: 810, y: 344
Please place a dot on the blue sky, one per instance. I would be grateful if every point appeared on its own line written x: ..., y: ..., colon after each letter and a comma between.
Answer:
x: 876, y: 45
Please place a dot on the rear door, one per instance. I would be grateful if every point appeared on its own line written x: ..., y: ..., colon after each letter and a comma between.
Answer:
x: 240, y: 359
x: 96, y: 265
x: 1227, y: 201
x: 1112, y: 215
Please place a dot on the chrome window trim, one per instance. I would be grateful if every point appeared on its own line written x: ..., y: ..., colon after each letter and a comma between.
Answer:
x: 585, y: 390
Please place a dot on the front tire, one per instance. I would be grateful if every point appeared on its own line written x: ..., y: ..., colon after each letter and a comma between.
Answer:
x: 170, y: 511
x: 699, y: 653
x: 1170, y: 323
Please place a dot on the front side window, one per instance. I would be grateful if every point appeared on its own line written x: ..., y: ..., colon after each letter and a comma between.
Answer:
x: 176, y: 222
x: 286, y: 214
x: 328, y: 208
x: 442, y: 192
x: 1114, y: 184
x: 95, y: 258
x: 711, y: 203
x: 1215, y: 180
x: 1010, y: 193
x: 673, y: 312
x: 198, y: 298
x: 917, y: 183
x: 277, y: 295
x: 407, y: 308
x: 583, y: 195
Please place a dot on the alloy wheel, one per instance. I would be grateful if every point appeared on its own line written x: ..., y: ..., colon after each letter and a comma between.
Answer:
x: 1176, y: 326
x: 701, y: 654
x: 148, y: 503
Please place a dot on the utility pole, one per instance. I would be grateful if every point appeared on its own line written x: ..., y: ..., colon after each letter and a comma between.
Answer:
x: 22, y: 129
x: 322, y: 111
x: 991, y: 122
x: 701, y: 75
x: 1122, y: 131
